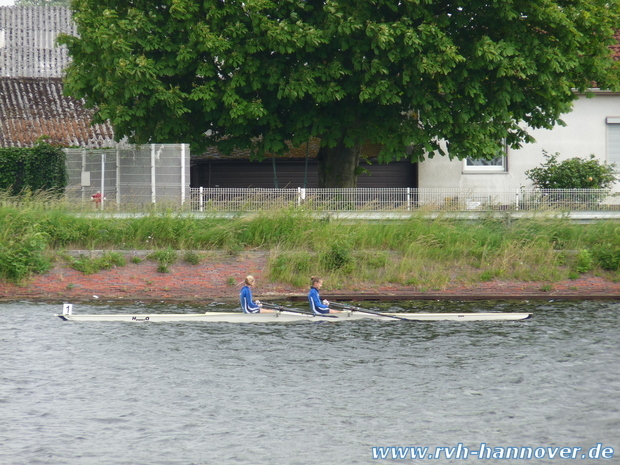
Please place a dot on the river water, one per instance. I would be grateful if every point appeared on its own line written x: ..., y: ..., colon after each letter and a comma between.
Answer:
x: 303, y: 393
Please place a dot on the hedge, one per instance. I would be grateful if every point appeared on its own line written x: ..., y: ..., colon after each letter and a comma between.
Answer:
x: 41, y: 167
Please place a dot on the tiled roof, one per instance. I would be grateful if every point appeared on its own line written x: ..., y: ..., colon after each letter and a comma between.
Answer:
x: 34, y: 107
x: 28, y: 40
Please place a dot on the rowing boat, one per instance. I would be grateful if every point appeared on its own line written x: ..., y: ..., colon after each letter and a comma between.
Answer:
x: 285, y: 316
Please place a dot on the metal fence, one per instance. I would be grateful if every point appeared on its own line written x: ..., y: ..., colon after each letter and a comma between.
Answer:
x: 401, y: 199
x: 129, y: 178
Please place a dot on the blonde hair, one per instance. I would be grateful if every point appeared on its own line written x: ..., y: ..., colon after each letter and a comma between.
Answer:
x: 314, y: 280
x: 249, y: 280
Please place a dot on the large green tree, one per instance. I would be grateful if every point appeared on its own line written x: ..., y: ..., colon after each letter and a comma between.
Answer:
x: 402, y: 73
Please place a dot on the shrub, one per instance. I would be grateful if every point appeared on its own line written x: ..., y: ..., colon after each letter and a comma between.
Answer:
x: 24, y: 255
x: 608, y: 257
x: 574, y: 173
x: 338, y: 257
x: 585, y: 262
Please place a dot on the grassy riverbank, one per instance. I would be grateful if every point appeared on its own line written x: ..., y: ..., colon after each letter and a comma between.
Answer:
x: 421, y: 252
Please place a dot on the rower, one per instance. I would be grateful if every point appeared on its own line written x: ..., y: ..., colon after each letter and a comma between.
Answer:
x: 317, y: 306
x: 245, y: 297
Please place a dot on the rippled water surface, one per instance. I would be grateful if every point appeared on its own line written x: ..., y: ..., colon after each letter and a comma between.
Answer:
x: 303, y: 393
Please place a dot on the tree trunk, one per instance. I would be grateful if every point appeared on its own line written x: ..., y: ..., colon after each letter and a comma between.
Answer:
x: 338, y: 166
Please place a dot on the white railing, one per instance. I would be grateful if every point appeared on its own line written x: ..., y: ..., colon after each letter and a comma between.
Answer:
x: 401, y: 199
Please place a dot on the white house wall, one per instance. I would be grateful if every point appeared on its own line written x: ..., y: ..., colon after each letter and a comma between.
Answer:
x: 585, y: 133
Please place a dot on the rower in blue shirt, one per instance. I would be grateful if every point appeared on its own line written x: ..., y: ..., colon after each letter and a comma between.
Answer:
x: 245, y: 297
x: 317, y: 306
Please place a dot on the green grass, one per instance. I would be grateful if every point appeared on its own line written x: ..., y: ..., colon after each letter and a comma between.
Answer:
x: 429, y: 254
x: 92, y: 265
x: 192, y: 257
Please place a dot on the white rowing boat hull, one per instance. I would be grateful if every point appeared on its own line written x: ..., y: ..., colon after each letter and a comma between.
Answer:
x: 289, y: 317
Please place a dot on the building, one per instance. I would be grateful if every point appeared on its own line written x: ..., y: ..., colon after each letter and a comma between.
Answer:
x: 593, y: 127
x: 32, y: 104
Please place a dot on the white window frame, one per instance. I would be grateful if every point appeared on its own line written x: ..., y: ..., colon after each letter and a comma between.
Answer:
x: 613, y: 141
x: 496, y: 165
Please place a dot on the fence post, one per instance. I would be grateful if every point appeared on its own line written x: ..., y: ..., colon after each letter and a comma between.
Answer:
x: 409, y: 199
x: 118, y: 179
x: 301, y: 195
x: 153, y: 179
x: 102, y: 180
x: 83, y: 191
x: 182, y: 174
x: 517, y: 200
x: 201, y: 200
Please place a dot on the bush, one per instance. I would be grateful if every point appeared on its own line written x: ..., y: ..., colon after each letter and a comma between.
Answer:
x: 574, y: 173
x: 608, y: 257
x: 338, y: 257
x: 24, y: 255
x: 584, y: 263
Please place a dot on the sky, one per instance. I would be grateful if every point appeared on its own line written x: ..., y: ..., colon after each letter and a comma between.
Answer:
x: 6, y: 2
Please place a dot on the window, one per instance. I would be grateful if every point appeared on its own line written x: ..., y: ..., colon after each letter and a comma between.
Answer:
x: 495, y: 165
x: 613, y: 141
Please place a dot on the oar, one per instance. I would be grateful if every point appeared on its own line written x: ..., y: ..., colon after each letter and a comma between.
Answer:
x: 272, y: 306
x: 363, y: 310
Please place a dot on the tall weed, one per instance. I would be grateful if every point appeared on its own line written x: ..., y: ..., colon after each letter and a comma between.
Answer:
x: 607, y: 256
x: 24, y: 255
x: 92, y: 265
x: 419, y: 251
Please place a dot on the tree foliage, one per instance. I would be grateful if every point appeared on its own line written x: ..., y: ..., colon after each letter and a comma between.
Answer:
x: 574, y: 173
x: 402, y: 73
